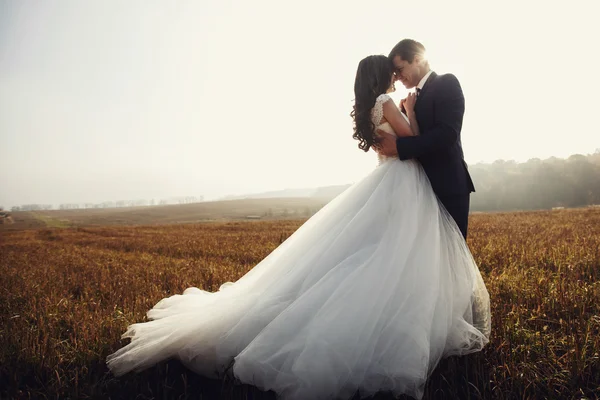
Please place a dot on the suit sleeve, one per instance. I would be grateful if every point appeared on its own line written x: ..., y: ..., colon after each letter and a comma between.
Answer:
x: 449, y: 111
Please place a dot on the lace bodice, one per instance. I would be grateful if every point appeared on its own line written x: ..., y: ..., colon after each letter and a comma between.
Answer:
x: 377, y: 110
x: 376, y: 117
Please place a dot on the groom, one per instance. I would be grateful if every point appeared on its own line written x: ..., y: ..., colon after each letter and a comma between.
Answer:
x: 439, y: 109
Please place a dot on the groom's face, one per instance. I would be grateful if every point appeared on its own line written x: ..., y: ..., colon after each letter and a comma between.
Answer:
x: 408, y: 73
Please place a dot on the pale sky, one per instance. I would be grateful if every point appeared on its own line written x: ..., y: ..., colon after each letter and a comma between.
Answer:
x: 117, y: 100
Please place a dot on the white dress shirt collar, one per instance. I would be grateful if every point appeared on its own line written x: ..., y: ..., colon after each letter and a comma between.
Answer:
x: 423, y: 80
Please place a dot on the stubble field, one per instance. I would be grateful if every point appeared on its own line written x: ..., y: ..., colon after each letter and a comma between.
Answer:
x: 67, y: 294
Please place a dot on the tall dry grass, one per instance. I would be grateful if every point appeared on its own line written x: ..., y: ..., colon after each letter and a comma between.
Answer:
x: 68, y: 294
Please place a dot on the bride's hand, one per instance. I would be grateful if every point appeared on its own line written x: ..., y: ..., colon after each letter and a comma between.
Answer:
x: 401, y: 106
x: 409, y: 103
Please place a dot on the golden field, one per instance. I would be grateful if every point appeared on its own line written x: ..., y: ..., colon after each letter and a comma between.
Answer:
x: 67, y: 294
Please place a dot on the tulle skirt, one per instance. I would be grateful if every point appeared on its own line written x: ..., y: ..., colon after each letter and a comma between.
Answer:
x: 368, y: 295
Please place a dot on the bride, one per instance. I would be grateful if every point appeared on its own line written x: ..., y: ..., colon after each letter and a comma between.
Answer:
x: 368, y: 295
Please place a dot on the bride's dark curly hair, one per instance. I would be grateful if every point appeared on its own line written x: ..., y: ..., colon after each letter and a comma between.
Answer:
x: 373, y: 77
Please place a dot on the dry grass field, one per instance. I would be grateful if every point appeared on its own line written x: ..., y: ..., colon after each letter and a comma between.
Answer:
x: 68, y: 291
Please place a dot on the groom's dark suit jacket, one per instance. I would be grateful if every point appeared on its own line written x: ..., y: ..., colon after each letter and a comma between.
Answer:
x: 439, y: 108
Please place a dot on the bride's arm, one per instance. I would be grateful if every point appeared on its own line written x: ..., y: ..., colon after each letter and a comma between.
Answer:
x: 401, y: 127
x: 414, y: 125
x: 409, y: 106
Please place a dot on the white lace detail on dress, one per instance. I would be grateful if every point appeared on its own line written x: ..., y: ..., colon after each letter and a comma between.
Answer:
x: 377, y: 117
x: 377, y: 111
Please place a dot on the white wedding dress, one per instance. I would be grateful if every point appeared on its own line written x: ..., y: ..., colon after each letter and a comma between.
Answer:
x: 368, y: 295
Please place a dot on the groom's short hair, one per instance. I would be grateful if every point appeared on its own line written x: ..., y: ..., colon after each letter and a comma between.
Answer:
x: 407, y: 49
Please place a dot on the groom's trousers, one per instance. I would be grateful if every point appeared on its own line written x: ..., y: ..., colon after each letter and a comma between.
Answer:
x: 458, y: 207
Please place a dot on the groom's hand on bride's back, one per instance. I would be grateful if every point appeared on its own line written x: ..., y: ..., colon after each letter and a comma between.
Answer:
x: 386, y: 144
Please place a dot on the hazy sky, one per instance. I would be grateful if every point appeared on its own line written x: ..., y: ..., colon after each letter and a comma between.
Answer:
x: 109, y: 100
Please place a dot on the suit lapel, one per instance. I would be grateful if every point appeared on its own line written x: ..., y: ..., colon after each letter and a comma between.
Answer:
x: 419, y: 103
x: 426, y: 86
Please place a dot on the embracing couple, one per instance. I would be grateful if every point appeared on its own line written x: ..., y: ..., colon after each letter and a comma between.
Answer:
x: 372, y: 291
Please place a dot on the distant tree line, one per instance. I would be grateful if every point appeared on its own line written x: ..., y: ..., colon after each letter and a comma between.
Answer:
x: 32, y: 207
x: 536, y: 184
x: 500, y: 186
x: 110, y: 204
